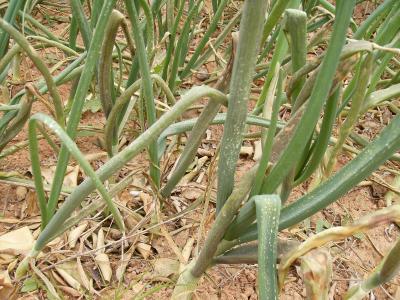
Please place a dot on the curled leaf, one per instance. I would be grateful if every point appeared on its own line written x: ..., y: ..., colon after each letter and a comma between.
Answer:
x: 382, y: 216
x: 317, y: 271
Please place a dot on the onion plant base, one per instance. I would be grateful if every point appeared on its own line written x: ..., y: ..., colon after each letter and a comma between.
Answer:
x: 23, y: 266
x: 186, y: 284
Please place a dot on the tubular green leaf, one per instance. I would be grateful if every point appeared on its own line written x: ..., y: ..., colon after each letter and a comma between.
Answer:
x: 356, y: 105
x: 17, y: 122
x: 74, y: 150
x: 333, y: 9
x: 386, y: 270
x: 120, y: 104
x: 296, y: 27
x: 273, y: 18
x: 322, y: 142
x: 205, y: 118
x: 73, y: 33
x: 387, y: 143
x: 147, y: 86
x: 390, y: 28
x: 218, y: 41
x: 277, y: 59
x: 375, y: 15
x: 222, y: 222
x: 96, y: 9
x: 249, y: 40
x: 171, y: 43
x: 9, y: 16
x: 62, y: 77
x: 268, y: 209
x: 21, y: 40
x: 83, y: 24
x: 6, y: 59
x: 204, y: 40
x: 149, y: 26
x: 196, y: 135
x: 380, y: 69
x: 305, y: 128
x: 379, y: 96
x: 39, y: 25
x: 180, y: 46
x: 118, y: 161
x: 106, y: 83
x: 45, y: 41
x: 267, y: 149
x: 188, y: 125
x: 309, y: 5
x: 77, y: 105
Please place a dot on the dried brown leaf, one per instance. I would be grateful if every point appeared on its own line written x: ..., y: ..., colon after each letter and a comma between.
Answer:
x: 70, y: 179
x: 68, y: 278
x: 317, y: 272
x: 389, y: 214
x: 103, y: 262
x: 144, y: 250
x: 7, y: 289
x: 165, y: 267
x: 75, y: 233
x: 18, y: 241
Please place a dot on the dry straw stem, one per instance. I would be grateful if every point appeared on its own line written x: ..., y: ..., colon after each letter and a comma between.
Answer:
x: 383, y: 216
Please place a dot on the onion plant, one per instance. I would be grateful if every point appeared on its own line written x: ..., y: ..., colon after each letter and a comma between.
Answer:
x: 357, y: 71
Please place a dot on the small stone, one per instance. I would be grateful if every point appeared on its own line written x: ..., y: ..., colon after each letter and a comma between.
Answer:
x: 202, y: 76
x: 204, y: 152
x: 246, y: 151
x: 258, y: 150
x: 21, y: 192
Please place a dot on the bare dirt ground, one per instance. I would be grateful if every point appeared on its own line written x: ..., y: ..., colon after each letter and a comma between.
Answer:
x: 153, y: 264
